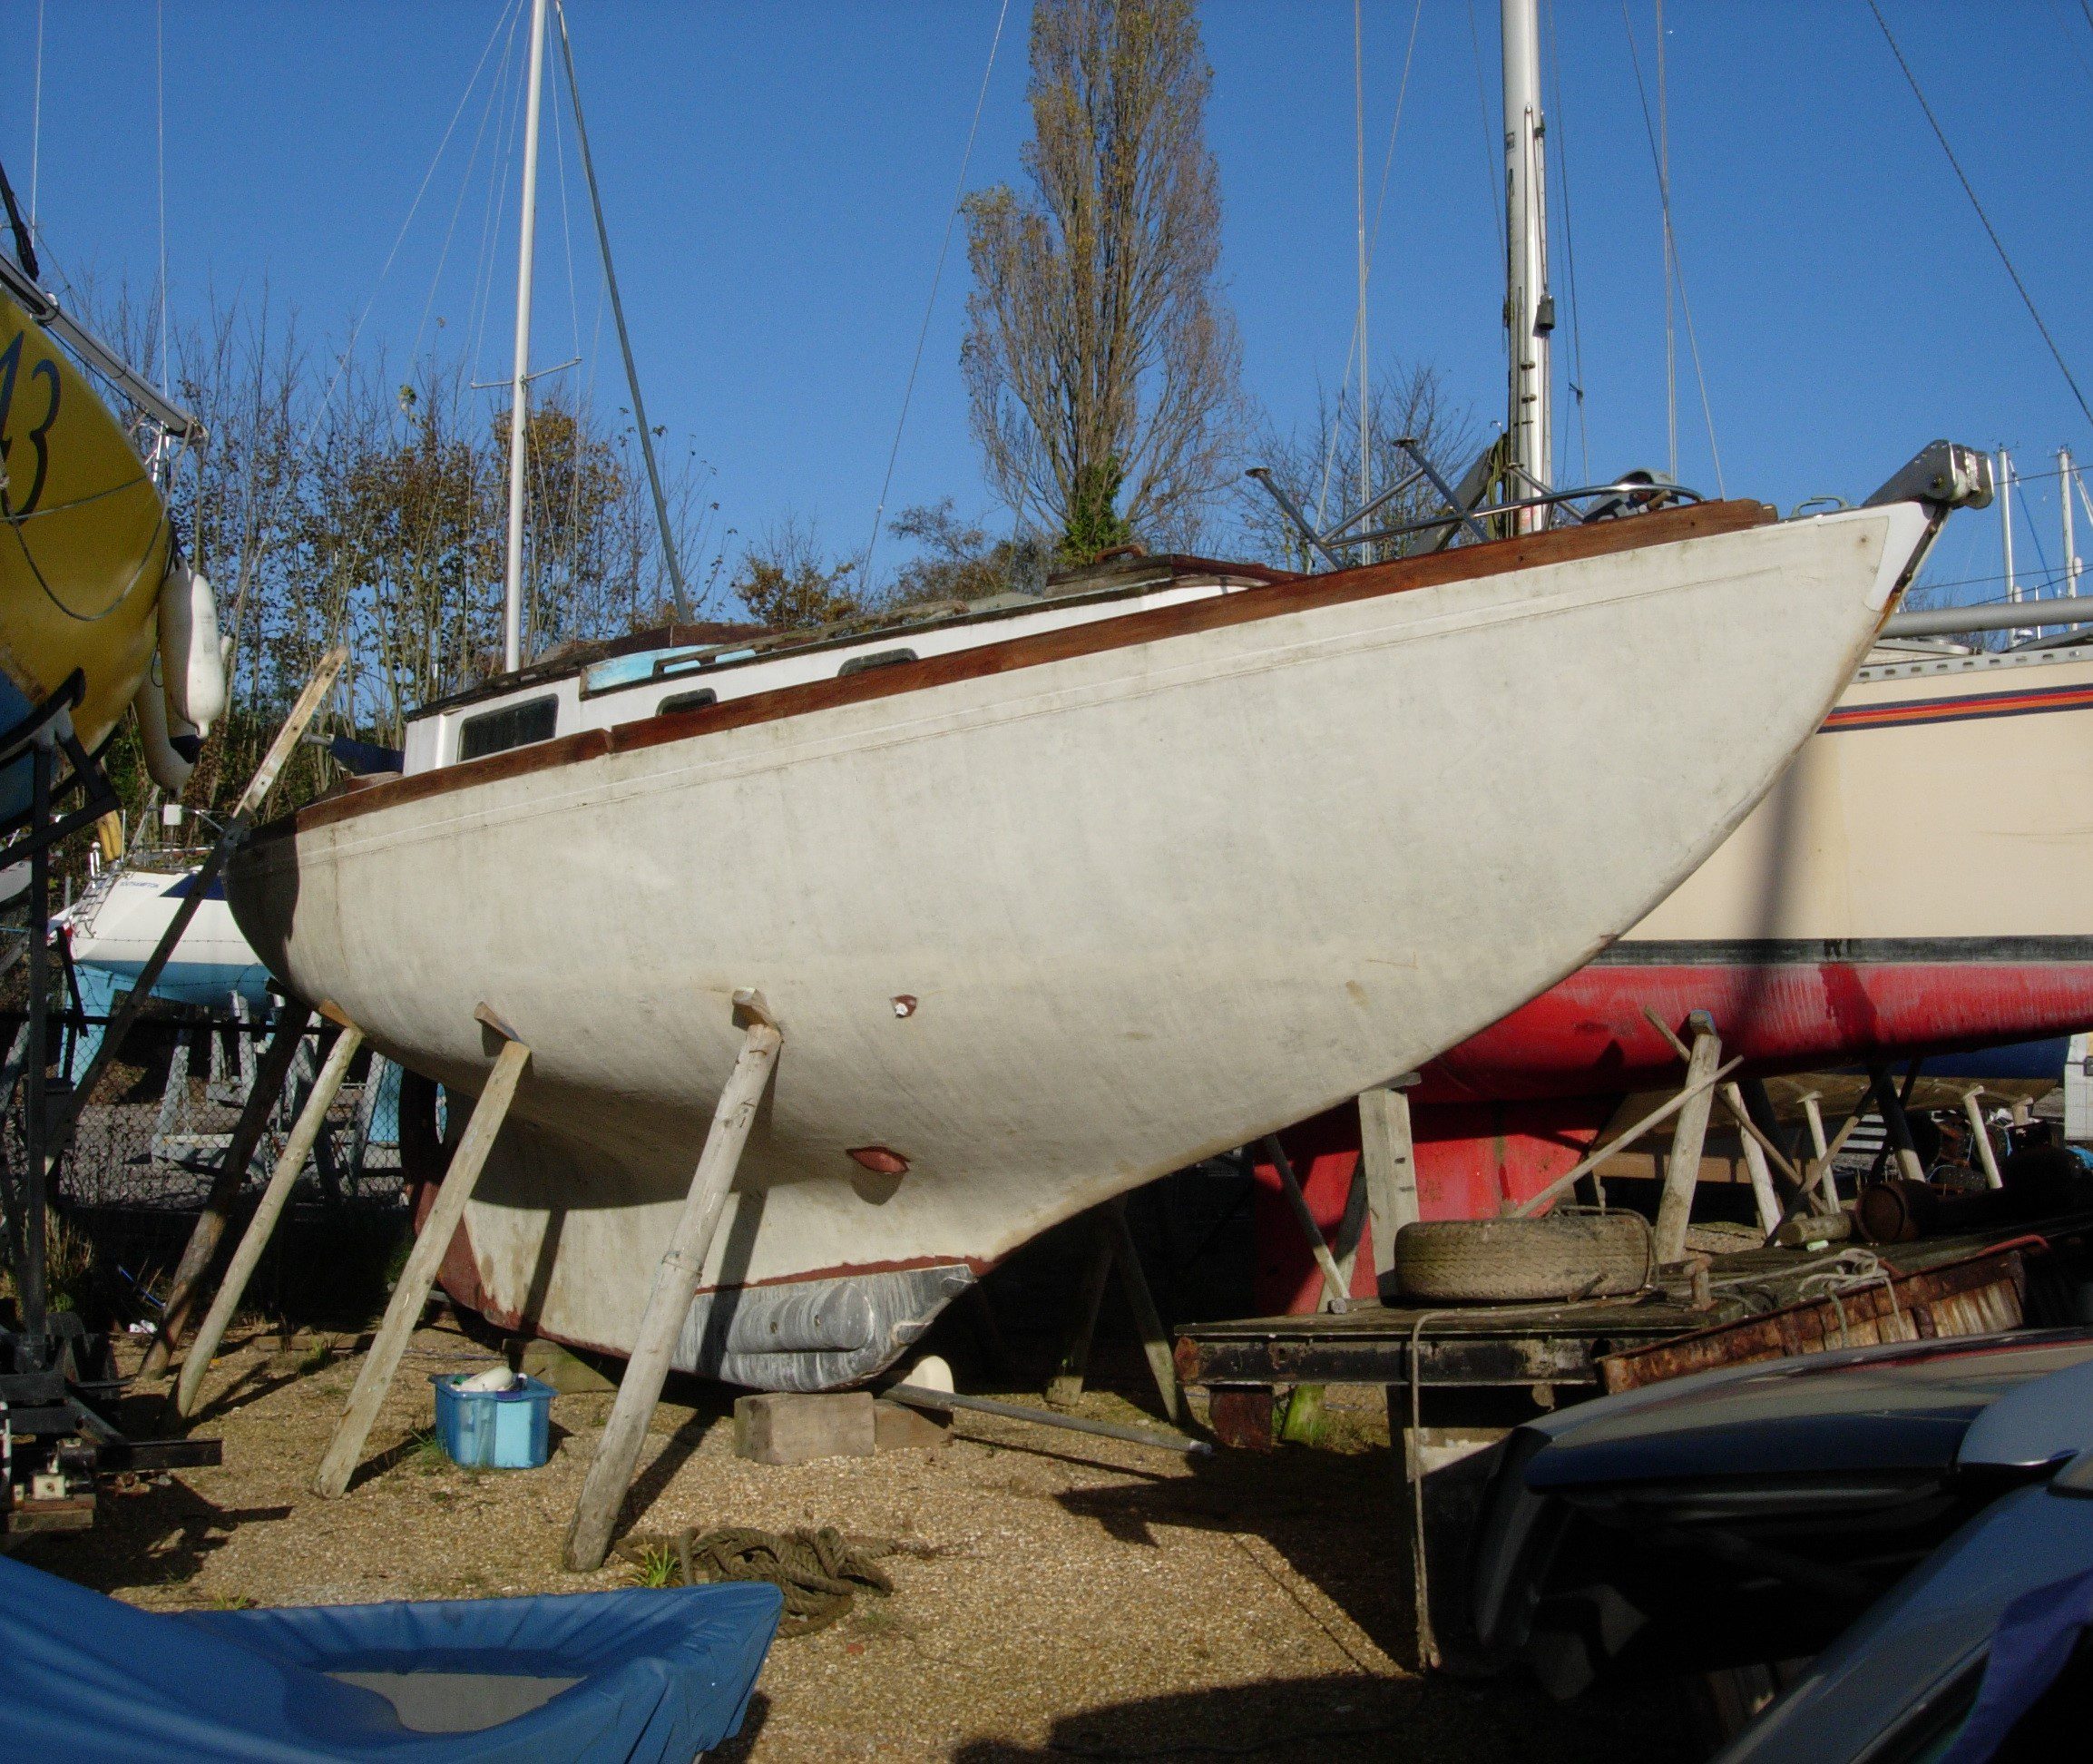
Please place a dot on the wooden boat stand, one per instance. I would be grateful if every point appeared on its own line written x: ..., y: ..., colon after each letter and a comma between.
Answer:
x: 209, y: 1229
x: 411, y: 1293
x: 675, y: 1286
x: 289, y: 1163
x: 1112, y: 1240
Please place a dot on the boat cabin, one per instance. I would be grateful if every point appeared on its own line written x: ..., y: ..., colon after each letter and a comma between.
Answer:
x: 688, y: 667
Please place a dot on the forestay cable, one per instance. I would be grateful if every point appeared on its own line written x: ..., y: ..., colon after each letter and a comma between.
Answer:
x: 930, y: 306
x: 1997, y: 245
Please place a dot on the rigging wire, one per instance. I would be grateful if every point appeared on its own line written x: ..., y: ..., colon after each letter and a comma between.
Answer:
x: 1672, y: 261
x: 574, y: 338
x: 930, y: 306
x: 341, y: 366
x: 2069, y: 34
x: 37, y: 121
x: 681, y: 603
x: 1570, y: 251
x: 1359, y: 150
x: 1489, y: 157
x: 492, y: 222
x: 159, y: 119
x: 464, y: 190
x: 1997, y: 245
x: 1670, y: 254
x: 1372, y: 245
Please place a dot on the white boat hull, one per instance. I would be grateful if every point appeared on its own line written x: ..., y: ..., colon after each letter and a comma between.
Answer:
x: 1150, y: 899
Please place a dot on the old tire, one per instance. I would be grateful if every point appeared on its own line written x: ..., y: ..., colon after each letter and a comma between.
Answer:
x: 1595, y: 1255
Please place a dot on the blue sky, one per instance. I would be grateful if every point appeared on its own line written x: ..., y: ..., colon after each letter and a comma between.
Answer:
x: 778, y: 177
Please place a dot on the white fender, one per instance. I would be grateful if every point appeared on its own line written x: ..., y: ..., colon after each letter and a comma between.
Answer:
x: 164, y: 762
x: 191, y: 660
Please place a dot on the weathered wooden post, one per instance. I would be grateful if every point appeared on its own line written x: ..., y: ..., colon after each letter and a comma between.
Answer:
x: 1895, y: 1121
x: 1682, y: 1173
x: 1754, y: 1159
x: 404, y: 1310
x: 209, y: 1230
x: 1066, y: 1384
x: 281, y: 1180
x: 1388, y: 1160
x: 1986, y: 1151
x: 1141, y: 1301
x: 1335, y: 1296
x: 675, y: 1286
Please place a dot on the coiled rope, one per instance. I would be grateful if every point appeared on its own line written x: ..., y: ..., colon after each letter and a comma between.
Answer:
x: 819, y: 1572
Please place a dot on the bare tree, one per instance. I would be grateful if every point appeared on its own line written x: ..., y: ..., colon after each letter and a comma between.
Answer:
x: 1318, y: 464
x: 786, y: 582
x: 1100, y: 358
x: 957, y: 560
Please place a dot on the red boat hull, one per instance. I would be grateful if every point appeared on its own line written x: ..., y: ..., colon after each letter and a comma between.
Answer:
x: 1501, y: 1115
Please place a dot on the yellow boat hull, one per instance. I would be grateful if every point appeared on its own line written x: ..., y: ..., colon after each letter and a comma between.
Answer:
x: 85, y: 545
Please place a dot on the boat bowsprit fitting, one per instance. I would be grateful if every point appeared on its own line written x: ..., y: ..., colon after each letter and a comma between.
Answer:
x: 1946, y: 475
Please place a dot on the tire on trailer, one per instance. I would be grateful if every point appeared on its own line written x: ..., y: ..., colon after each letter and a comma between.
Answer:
x: 1568, y: 1255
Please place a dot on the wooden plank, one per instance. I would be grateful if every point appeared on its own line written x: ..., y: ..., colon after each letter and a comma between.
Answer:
x: 1982, y: 1133
x: 1387, y: 1158
x: 1067, y: 1383
x: 1682, y: 1171
x: 260, y: 1228
x: 1576, y: 1173
x: 675, y: 1287
x: 1141, y: 1301
x: 1754, y: 1156
x: 1979, y: 1294
x: 375, y: 1376
x: 209, y: 1230
x: 1335, y: 1297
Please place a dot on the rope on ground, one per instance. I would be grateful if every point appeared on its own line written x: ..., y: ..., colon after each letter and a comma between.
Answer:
x: 819, y: 1572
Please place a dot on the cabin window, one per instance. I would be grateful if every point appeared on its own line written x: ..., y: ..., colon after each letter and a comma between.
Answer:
x: 696, y: 700
x: 513, y: 726
x: 878, y: 659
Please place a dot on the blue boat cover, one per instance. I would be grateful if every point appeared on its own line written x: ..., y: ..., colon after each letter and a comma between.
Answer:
x: 2033, y: 1644
x: 637, y: 1674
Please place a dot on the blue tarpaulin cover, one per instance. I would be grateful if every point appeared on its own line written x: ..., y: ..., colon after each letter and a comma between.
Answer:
x: 631, y: 1675
x: 2034, y: 1642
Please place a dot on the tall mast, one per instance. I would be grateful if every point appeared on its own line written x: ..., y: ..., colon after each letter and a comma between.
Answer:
x: 1359, y: 148
x: 2066, y: 477
x: 1528, y: 310
x: 520, y: 381
x: 2006, y: 520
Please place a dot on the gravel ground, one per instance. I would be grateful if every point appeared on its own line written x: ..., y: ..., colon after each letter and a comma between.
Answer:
x: 1064, y: 1596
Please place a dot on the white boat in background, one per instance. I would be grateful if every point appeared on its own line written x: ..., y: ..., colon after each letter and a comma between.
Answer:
x: 114, y: 928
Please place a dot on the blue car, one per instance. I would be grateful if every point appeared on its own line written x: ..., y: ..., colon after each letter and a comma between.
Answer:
x: 1902, y: 1534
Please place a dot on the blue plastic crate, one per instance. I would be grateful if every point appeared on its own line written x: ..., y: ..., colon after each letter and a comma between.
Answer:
x: 493, y: 1429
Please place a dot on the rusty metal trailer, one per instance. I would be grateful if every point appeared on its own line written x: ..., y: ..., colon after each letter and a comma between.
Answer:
x: 1458, y: 1379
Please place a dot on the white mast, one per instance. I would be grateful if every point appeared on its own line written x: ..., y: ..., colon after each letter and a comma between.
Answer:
x: 2066, y: 476
x: 2006, y: 519
x: 520, y: 382
x: 1359, y: 146
x: 1529, y: 311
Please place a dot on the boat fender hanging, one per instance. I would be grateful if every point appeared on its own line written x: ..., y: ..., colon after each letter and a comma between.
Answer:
x: 169, y: 753
x: 192, y: 659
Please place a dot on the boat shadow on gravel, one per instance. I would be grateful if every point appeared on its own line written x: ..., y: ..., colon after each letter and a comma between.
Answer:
x: 157, y: 1538
x: 1327, y: 1528
x: 1336, y: 1719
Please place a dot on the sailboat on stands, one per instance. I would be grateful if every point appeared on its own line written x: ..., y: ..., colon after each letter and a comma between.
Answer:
x: 1051, y: 893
